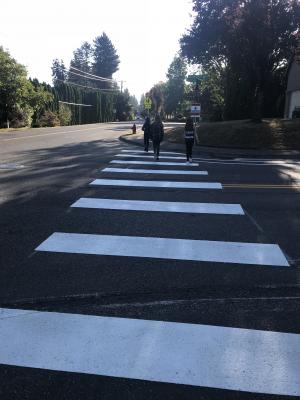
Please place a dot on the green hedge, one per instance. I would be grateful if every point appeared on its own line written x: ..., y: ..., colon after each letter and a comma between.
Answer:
x: 102, y: 104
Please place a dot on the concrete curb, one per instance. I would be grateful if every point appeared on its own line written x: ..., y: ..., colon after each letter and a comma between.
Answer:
x: 123, y: 138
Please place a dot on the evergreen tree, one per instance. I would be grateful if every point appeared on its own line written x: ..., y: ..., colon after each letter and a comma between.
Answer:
x: 105, y: 59
x: 82, y: 61
x: 59, y: 73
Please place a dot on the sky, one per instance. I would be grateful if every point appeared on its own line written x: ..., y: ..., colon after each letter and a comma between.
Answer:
x: 145, y: 34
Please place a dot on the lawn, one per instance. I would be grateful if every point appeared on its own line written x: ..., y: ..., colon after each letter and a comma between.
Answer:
x: 270, y: 134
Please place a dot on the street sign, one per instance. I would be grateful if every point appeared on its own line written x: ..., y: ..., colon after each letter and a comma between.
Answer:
x: 196, y: 78
x: 147, y: 103
x: 196, y: 110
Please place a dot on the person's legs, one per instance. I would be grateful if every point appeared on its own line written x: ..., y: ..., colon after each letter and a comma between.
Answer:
x: 191, y: 151
x: 187, y: 150
x: 158, y: 147
x: 189, y: 145
x: 146, y: 142
x: 155, y: 148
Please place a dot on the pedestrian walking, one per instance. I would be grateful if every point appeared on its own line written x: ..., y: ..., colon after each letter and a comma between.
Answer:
x: 146, y: 128
x: 189, y: 137
x: 157, y: 134
x: 133, y: 129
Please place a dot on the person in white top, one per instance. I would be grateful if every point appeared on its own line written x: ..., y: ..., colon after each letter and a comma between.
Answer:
x: 189, y: 137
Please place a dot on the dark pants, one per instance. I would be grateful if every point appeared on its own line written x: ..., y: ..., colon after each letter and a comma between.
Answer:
x: 146, y: 141
x: 189, y: 148
x: 156, y: 146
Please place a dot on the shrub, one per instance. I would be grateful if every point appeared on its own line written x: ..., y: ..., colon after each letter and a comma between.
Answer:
x: 48, y: 118
x: 21, y: 117
x: 64, y: 114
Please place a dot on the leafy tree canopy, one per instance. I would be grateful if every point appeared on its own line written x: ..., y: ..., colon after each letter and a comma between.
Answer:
x: 248, y: 41
x: 175, y: 86
x: 19, y: 98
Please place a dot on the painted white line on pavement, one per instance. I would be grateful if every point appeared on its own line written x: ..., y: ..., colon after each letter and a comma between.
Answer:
x: 150, y: 155
x: 241, y: 160
x: 141, y: 162
x: 157, y: 184
x: 155, y: 171
x: 165, y: 248
x: 151, y: 152
x: 162, y: 206
x: 257, y: 163
x: 11, y: 166
x: 237, y: 359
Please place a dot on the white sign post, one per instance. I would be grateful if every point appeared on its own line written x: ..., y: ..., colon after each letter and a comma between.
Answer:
x: 195, y: 114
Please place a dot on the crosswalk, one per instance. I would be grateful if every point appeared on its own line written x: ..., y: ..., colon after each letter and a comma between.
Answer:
x: 189, y: 354
x: 157, y: 184
x: 154, y: 171
x: 218, y: 357
x: 156, y: 163
x: 159, y: 206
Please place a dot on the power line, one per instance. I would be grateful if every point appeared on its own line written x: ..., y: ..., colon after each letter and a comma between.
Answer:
x: 87, y: 77
x: 87, y: 87
x: 95, y: 76
x: 83, y: 76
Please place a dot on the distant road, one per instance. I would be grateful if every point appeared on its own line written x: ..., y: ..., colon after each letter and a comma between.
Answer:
x: 11, y: 143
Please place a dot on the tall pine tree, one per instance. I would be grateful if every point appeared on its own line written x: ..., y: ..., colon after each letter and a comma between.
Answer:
x: 59, y: 73
x: 82, y: 60
x: 106, y: 59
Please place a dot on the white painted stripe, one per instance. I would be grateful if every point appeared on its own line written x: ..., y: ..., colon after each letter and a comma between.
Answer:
x: 157, y: 163
x: 162, y: 206
x: 253, y: 163
x: 148, y: 155
x: 242, y: 160
x: 172, y: 249
x: 155, y: 171
x: 227, y: 162
x: 151, y: 152
x: 158, y: 184
x: 254, y: 361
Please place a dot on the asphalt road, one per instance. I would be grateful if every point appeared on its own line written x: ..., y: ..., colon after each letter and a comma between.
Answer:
x: 44, y: 171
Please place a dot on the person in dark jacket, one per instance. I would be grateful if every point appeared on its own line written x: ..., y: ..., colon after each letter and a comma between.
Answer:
x: 146, y: 128
x: 157, y: 134
x: 133, y: 129
x: 189, y: 137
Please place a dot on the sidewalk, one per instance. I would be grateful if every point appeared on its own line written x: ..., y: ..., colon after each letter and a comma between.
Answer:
x: 138, y: 140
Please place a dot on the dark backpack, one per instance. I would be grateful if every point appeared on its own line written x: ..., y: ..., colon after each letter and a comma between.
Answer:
x: 157, y: 131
